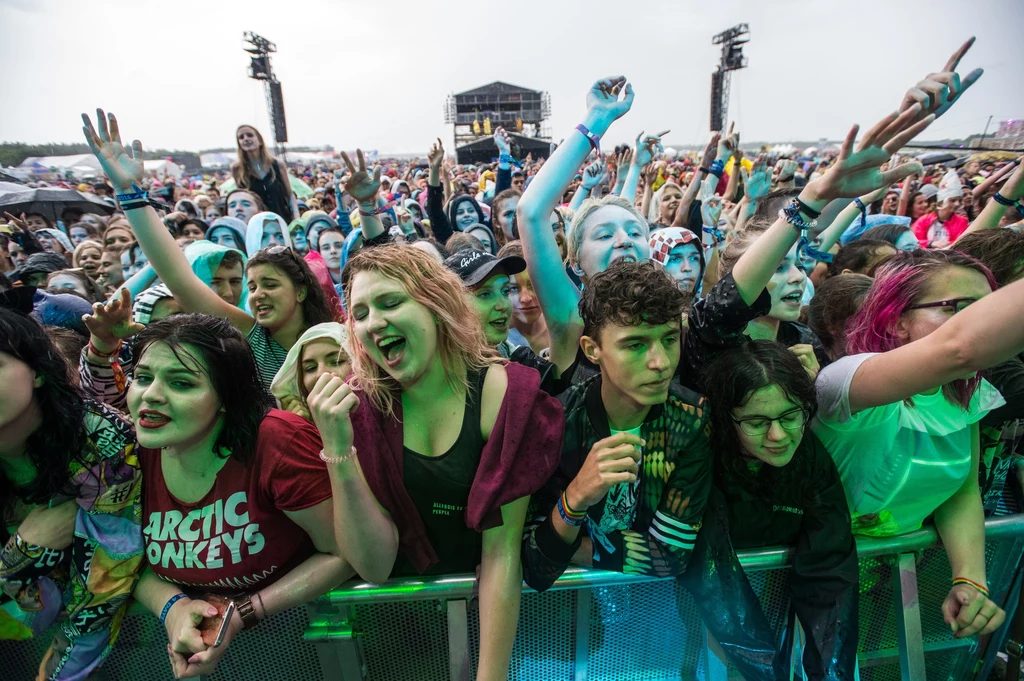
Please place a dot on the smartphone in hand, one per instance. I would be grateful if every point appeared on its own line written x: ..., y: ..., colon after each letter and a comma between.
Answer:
x: 213, y: 629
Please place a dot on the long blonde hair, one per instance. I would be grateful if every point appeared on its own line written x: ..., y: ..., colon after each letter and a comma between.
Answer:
x: 461, y: 344
x: 242, y: 169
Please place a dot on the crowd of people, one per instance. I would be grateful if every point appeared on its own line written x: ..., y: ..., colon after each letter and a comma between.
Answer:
x: 223, y: 404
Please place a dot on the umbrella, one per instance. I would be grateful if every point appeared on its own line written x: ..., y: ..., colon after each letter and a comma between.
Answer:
x: 932, y: 157
x: 301, y: 189
x: 51, y: 202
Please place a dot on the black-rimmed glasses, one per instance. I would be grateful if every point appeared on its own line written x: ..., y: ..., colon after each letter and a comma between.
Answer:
x: 955, y: 304
x: 794, y: 419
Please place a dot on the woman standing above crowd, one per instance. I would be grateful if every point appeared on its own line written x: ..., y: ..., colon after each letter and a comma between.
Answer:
x: 284, y: 297
x: 258, y: 171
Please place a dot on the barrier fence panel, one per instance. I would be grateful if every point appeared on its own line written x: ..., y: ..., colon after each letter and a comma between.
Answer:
x: 592, y: 625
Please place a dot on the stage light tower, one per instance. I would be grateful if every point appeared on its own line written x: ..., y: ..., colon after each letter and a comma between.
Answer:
x: 732, y: 41
x: 260, y: 69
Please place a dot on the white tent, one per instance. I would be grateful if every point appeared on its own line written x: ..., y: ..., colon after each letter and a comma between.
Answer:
x: 162, y: 168
x: 82, y: 165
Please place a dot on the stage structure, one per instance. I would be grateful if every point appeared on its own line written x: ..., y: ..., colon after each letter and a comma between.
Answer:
x: 732, y: 41
x: 475, y: 114
x: 260, y: 69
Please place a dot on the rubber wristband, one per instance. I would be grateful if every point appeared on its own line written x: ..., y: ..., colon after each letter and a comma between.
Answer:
x: 1001, y: 200
x: 815, y: 214
x: 167, y: 607
x: 595, y: 140
x: 568, y: 518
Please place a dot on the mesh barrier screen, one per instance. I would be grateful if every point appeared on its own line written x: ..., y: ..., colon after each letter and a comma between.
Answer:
x: 642, y: 632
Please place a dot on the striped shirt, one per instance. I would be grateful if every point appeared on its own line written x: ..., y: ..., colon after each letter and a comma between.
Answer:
x: 269, y: 354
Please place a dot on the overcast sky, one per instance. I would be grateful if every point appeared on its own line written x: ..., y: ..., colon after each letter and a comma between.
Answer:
x: 376, y: 74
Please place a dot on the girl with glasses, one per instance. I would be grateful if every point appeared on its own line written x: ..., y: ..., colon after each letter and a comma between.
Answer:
x: 782, y: 488
x: 900, y: 413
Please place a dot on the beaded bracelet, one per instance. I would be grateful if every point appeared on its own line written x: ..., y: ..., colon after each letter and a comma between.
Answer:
x: 964, y: 580
x: 167, y: 607
x: 338, y: 459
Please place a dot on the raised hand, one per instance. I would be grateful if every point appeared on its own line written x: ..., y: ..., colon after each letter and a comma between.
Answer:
x: 111, y: 322
x: 18, y: 224
x: 1014, y: 187
x: 757, y: 183
x: 593, y: 175
x: 603, y: 99
x: 706, y: 158
x: 651, y: 173
x: 939, y: 91
x: 646, y: 149
x: 120, y: 167
x: 710, y: 202
x: 622, y: 164
x: 728, y: 145
x: 361, y: 185
x: 436, y: 154
x: 785, y: 171
x: 502, y: 141
x: 858, y: 171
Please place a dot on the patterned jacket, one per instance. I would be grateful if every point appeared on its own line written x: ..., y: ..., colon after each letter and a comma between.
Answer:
x: 658, y: 534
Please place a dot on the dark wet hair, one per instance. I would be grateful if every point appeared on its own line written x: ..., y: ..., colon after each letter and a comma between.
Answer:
x: 729, y: 381
x: 857, y: 256
x: 200, y: 340
x: 1000, y: 250
x: 835, y: 301
x: 61, y: 437
x: 630, y: 294
x: 315, y: 308
x: 890, y: 233
x: 460, y: 241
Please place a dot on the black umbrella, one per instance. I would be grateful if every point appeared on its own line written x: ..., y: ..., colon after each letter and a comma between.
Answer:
x: 51, y: 202
x: 933, y: 157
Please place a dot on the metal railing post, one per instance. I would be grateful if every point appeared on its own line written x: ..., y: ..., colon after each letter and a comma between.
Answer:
x: 458, y: 640
x: 581, y: 658
x: 908, y: 618
x: 334, y: 634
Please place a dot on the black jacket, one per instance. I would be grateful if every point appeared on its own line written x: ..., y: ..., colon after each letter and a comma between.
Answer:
x: 803, y: 505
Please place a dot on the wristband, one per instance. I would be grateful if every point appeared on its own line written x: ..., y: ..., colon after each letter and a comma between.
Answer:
x: 792, y: 215
x: 375, y: 211
x: 595, y: 140
x: 112, y: 353
x: 338, y: 459
x: 167, y: 607
x: 815, y: 214
x: 136, y: 194
x: 569, y: 517
x: 964, y: 580
x: 715, y: 233
x: 717, y: 168
x: 132, y: 205
x: 506, y: 158
x: 1001, y: 200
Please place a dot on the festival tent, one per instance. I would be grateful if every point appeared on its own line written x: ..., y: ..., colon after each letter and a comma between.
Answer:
x: 81, y: 165
x: 162, y: 168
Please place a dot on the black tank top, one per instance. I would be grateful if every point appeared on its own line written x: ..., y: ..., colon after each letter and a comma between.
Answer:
x: 273, y: 192
x: 439, y: 487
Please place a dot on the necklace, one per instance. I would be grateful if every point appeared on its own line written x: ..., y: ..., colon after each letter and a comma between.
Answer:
x: 201, y: 474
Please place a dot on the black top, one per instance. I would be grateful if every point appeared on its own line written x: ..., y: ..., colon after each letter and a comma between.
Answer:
x: 1002, y: 441
x: 804, y: 505
x: 439, y: 487
x: 273, y: 191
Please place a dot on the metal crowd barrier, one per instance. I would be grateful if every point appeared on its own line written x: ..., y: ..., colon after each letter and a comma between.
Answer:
x: 591, y: 625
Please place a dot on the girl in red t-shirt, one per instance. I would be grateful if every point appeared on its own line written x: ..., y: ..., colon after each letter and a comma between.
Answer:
x: 235, y: 497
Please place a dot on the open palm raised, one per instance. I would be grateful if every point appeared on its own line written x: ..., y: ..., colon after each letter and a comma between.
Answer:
x: 121, y: 167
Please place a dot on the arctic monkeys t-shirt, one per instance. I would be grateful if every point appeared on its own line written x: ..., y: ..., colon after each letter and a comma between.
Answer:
x: 237, y: 537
